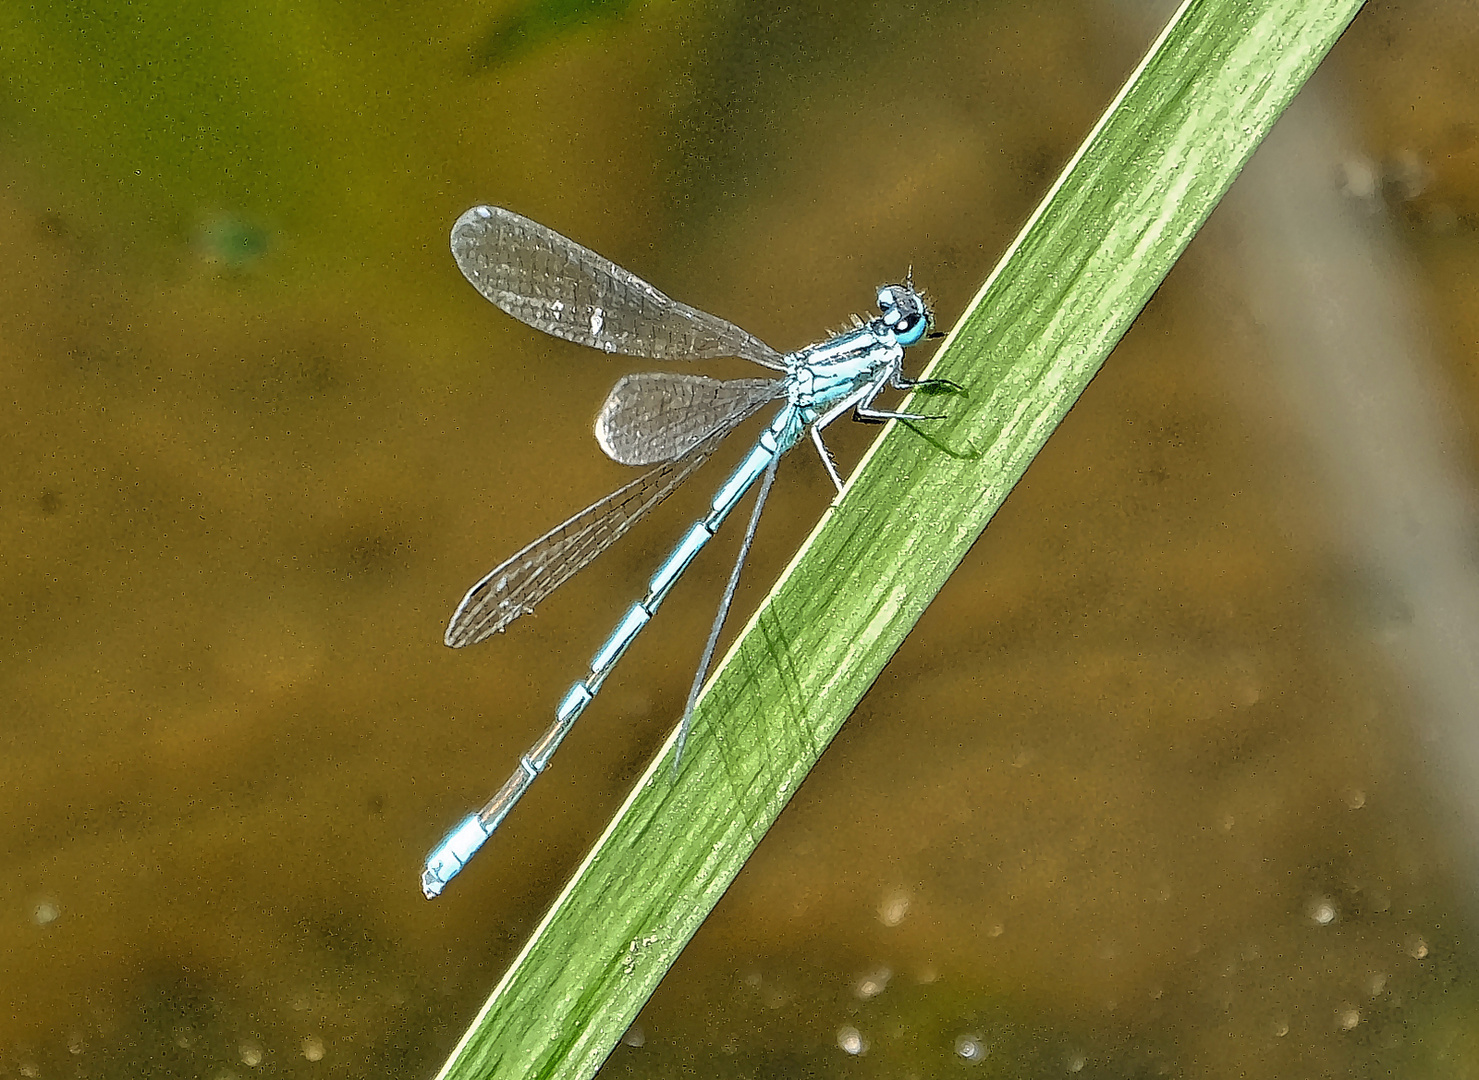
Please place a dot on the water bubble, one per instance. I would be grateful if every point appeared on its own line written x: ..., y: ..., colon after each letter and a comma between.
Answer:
x: 970, y: 1047
x: 251, y: 1053
x: 1358, y: 180
x: 1075, y: 1062
x: 313, y: 1048
x: 1322, y: 911
x: 1408, y: 176
x: 873, y: 983
x: 893, y: 909
x: 851, y: 1040
x: 45, y: 912
x: 1348, y: 1018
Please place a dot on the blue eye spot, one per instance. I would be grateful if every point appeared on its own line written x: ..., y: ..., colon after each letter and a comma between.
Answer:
x: 911, y: 329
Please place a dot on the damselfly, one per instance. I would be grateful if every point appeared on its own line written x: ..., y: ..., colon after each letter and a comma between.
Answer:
x: 671, y: 421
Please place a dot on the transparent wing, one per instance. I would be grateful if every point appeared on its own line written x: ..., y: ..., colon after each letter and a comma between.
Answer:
x: 555, y: 285
x: 657, y: 416
x: 516, y: 586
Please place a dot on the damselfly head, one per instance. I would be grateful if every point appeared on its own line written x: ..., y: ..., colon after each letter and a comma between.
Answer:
x: 905, y: 311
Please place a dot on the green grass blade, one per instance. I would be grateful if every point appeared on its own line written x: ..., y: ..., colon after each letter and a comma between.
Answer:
x: 1071, y: 284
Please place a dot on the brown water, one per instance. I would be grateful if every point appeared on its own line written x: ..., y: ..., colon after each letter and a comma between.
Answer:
x: 1152, y: 788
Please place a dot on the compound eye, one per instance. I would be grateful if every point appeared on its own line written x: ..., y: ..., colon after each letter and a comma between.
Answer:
x: 909, y: 329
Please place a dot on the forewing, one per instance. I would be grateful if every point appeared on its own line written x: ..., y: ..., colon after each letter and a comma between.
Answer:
x: 658, y: 416
x: 556, y: 285
x: 517, y: 585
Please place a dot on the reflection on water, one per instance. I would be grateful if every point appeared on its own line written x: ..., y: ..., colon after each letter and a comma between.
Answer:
x: 1140, y: 794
